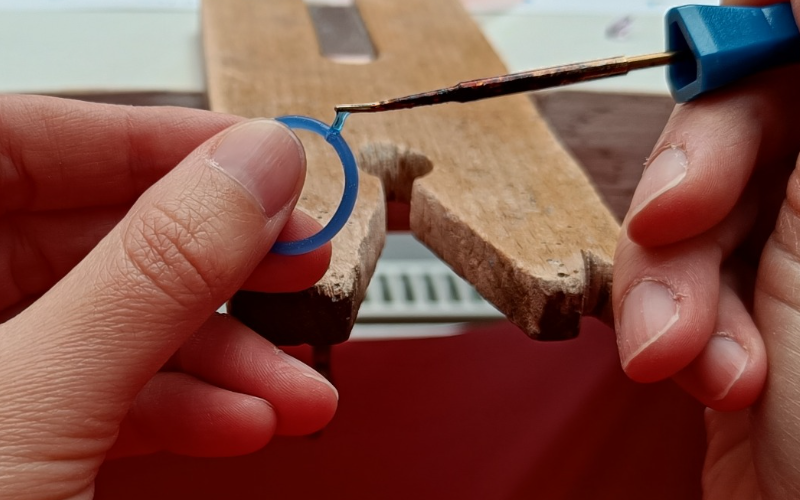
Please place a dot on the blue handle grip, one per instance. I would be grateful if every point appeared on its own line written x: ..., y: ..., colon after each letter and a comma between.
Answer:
x: 727, y: 43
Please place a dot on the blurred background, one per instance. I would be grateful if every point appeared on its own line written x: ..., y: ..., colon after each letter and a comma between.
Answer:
x: 146, y: 45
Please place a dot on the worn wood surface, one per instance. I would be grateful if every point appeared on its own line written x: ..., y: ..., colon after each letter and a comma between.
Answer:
x: 492, y: 192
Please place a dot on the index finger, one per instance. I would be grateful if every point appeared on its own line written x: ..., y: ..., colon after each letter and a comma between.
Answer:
x: 707, y: 153
x: 60, y: 153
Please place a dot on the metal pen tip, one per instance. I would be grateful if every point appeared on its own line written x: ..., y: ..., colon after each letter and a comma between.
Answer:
x: 525, y: 81
x: 355, y: 108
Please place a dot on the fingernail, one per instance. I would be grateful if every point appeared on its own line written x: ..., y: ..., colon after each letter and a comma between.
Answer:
x: 266, y: 158
x: 727, y: 360
x: 648, y: 312
x: 664, y: 173
x: 307, y: 371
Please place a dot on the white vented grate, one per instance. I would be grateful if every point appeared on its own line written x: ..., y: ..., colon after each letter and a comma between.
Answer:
x: 421, y: 291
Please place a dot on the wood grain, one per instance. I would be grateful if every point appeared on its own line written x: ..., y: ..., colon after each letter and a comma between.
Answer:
x: 492, y: 191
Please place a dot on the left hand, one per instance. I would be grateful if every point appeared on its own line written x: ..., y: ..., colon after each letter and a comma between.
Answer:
x: 113, y: 264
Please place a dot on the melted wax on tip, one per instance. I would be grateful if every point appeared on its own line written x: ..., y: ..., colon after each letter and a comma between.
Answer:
x: 338, y: 122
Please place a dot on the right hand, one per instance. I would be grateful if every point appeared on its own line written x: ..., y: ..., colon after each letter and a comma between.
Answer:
x: 707, y: 277
x: 113, y: 264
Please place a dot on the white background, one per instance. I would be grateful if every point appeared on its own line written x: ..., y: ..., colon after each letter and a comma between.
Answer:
x: 141, y: 45
x: 520, y: 6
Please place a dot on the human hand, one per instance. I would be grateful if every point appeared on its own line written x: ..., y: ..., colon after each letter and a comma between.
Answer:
x: 113, y: 345
x: 706, y: 273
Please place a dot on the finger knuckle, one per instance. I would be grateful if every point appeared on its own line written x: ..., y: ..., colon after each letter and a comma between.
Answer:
x: 172, y: 246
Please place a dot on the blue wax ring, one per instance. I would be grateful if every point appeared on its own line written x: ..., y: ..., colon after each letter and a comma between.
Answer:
x: 339, y: 219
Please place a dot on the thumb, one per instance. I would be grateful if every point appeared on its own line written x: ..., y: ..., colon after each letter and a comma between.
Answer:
x: 776, y: 422
x: 83, y: 351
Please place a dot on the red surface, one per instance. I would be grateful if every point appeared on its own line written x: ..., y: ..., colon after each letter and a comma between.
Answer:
x: 485, y: 415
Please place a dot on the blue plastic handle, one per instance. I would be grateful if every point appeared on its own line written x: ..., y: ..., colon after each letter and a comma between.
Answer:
x: 728, y: 43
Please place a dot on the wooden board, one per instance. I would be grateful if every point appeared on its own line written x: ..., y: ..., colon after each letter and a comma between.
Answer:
x: 492, y: 192
x: 611, y: 136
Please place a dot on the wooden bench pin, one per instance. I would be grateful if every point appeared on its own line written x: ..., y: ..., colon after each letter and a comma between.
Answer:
x: 491, y: 190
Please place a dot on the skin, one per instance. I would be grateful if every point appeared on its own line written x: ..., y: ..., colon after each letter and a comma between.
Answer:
x: 705, y: 273
x: 123, y: 230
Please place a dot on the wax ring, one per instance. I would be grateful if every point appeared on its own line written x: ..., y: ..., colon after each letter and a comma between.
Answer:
x: 339, y: 219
